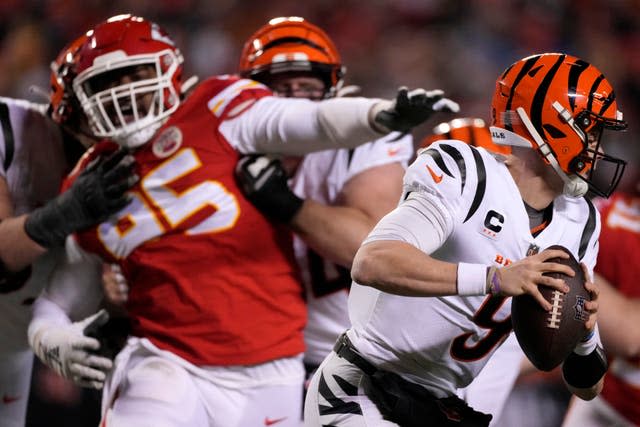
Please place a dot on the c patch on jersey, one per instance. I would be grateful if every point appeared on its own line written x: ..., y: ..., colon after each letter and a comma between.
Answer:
x: 492, y: 225
x: 167, y: 142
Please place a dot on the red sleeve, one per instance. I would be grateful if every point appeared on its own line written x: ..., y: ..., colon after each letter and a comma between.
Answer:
x: 230, y: 96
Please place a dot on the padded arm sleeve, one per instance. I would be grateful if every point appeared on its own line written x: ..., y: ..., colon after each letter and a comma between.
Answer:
x: 420, y: 221
x: 299, y: 126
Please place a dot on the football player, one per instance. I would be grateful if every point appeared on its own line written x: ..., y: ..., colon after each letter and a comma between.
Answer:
x: 430, y: 299
x: 489, y: 391
x: 216, y: 307
x: 36, y: 151
x: 338, y: 195
x: 616, y: 274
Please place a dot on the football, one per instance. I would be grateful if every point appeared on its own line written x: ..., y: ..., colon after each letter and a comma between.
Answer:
x: 547, y: 338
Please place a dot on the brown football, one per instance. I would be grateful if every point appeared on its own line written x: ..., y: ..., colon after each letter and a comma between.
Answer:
x: 547, y: 338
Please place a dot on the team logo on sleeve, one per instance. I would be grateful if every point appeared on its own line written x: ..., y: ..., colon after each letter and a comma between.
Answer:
x: 167, y: 142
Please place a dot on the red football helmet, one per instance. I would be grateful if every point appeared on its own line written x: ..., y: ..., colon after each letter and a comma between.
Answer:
x: 63, y: 105
x: 470, y: 130
x: 559, y: 105
x: 129, y: 79
x: 292, y: 44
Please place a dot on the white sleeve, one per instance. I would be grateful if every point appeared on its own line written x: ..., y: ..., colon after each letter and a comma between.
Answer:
x: 75, y: 285
x: 299, y: 126
x: 419, y: 220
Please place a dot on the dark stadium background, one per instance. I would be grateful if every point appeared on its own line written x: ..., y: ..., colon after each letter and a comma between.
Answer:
x: 458, y: 46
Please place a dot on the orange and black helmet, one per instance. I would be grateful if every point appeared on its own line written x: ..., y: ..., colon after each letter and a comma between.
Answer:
x: 292, y: 44
x: 559, y: 105
x: 473, y: 131
x: 63, y: 104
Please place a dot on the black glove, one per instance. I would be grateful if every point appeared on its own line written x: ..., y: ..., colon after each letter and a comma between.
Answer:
x: 263, y: 181
x: 413, y: 108
x: 97, y: 193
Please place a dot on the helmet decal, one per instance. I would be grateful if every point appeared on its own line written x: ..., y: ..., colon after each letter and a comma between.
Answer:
x: 559, y: 105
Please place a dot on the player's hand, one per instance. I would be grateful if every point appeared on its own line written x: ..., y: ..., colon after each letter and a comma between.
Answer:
x: 263, y: 181
x: 97, y: 193
x: 592, y: 306
x: 525, y: 275
x: 410, y: 109
x: 114, y: 284
x: 68, y: 351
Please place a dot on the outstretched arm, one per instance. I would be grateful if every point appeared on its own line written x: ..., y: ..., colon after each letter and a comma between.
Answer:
x: 299, y: 126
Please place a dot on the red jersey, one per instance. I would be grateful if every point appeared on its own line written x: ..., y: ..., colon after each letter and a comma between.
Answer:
x: 210, y: 279
x: 619, y: 263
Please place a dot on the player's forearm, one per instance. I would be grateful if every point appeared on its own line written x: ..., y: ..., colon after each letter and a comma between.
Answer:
x: 586, y: 393
x: 297, y: 126
x: 334, y: 232
x: 399, y: 268
x: 17, y: 249
x: 617, y: 309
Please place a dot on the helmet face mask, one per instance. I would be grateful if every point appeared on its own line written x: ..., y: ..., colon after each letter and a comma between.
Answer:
x: 293, y: 46
x: 129, y: 79
x: 559, y: 105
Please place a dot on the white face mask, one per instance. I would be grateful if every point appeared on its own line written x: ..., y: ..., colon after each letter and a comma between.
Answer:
x: 116, y: 112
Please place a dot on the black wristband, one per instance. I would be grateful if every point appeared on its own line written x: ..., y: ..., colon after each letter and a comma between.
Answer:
x: 585, y: 371
x: 47, y: 226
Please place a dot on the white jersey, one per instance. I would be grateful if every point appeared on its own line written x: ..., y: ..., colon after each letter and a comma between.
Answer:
x: 442, y: 343
x: 32, y: 161
x: 321, y: 177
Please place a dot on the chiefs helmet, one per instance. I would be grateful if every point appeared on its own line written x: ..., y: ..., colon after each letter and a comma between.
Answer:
x: 470, y: 130
x: 122, y: 102
x: 560, y: 105
x: 63, y: 105
x: 292, y: 44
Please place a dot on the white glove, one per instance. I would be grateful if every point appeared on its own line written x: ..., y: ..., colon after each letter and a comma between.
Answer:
x: 68, y: 351
x: 411, y: 109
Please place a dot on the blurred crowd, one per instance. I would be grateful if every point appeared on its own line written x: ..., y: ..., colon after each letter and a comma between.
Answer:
x: 458, y: 46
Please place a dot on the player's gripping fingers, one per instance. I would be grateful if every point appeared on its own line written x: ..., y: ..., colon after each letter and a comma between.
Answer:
x: 118, y: 189
x: 402, y: 98
x: 87, y: 377
x: 553, y: 282
x: 446, y: 105
x: 101, y: 363
x: 120, y: 170
x: 83, y: 342
x: 535, y: 292
x: 115, y: 158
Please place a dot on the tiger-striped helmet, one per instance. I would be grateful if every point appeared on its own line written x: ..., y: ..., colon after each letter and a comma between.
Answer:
x: 292, y: 44
x: 473, y: 131
x: 63, y: 104
x: 559, y: 105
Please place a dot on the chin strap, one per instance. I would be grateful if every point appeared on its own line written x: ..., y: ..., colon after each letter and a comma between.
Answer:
x: 574, y: 186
